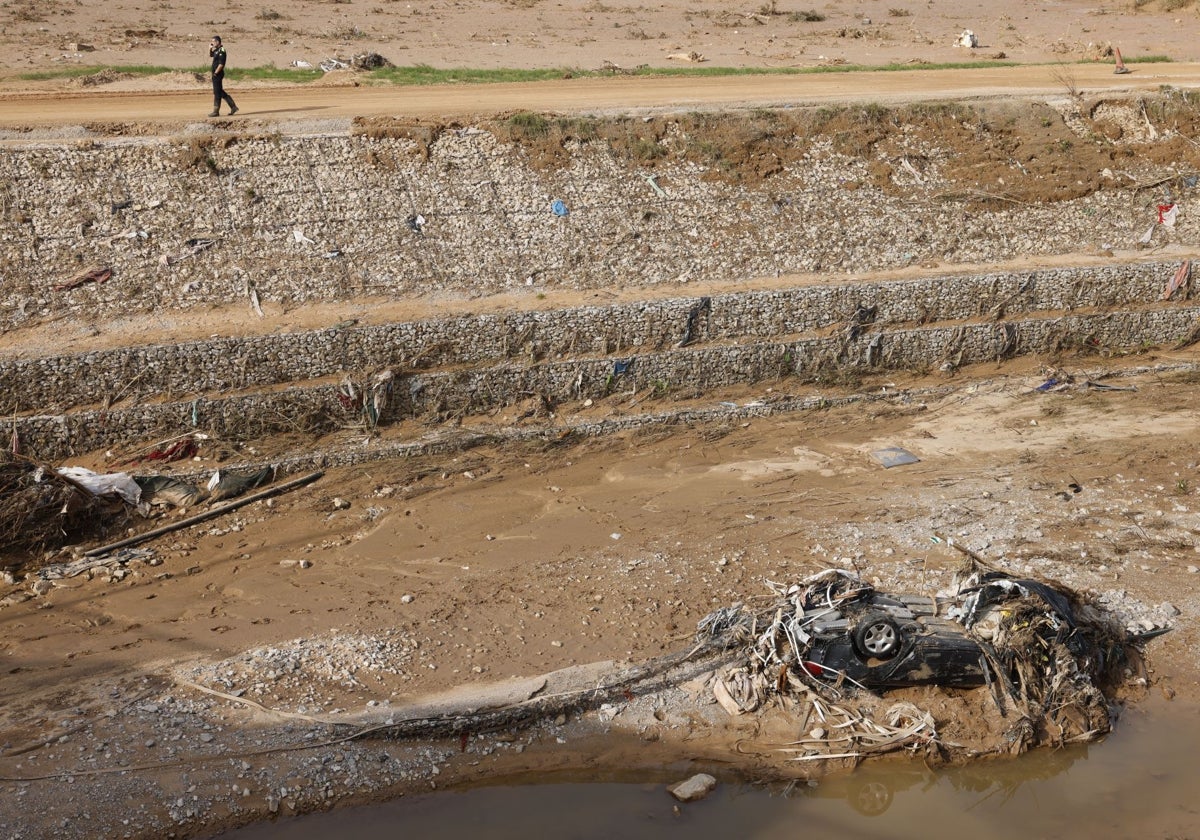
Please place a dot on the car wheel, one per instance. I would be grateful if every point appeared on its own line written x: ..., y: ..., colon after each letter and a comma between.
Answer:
x: 877, y: 637
x: 871, y: 798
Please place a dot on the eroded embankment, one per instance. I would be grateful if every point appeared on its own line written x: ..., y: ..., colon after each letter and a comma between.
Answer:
x: 702, y: 208
x: 441, y: 600
x: 531, y: 202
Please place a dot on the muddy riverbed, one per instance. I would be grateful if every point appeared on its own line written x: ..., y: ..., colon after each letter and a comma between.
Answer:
x: 192, y: 694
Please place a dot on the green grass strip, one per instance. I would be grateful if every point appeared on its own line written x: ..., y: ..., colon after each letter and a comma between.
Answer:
x: 424, y: 74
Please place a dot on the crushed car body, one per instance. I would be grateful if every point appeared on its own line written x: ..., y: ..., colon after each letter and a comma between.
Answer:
x: 877, y: 640
x: 1045, y: 653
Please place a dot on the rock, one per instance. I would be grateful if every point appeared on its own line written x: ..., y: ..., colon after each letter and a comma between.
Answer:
x: 340, y: 504
x: 305, y: 564
x: 406, y: 599
x: 41, y: 587
x: 697, y: 787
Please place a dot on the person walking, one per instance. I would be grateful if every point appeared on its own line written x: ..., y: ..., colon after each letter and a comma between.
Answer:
x: 217, y: 52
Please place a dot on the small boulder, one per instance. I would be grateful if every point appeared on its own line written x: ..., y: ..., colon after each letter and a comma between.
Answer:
x: 697, y: 787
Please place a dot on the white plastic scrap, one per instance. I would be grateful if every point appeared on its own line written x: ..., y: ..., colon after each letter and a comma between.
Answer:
x: 110, y: 484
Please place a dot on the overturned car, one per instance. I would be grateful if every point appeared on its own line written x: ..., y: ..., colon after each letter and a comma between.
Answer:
x: 852, y: 632
x: 1045, y: 654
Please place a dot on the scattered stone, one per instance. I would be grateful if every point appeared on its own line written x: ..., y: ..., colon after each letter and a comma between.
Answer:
x: 697, y: 787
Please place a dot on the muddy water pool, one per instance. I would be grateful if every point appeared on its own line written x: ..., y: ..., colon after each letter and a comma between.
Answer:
x: 1139, y: 782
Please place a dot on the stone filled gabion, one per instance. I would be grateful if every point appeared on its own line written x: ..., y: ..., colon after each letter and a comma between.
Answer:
x: 56, y: 383
x: 315, y: 407
x: 334, y: 217
x: 320, y: 218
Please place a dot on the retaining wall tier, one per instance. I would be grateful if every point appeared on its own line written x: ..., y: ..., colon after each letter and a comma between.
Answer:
x: 57, y: 383
x: 690, y: 371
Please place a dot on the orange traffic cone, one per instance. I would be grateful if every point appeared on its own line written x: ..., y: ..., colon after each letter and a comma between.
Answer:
x: 1121, y: 68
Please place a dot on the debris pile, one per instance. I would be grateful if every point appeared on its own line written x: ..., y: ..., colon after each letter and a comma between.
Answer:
x: 41, y: 508
x: 826, y: 645
x: 369, y: 61
x: 368, y: 398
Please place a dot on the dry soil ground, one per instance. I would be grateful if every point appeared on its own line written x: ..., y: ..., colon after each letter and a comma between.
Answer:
x: 587, y: 33
x: 508, y: 562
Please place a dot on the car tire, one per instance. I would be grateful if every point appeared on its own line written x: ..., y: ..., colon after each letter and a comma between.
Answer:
x: 877, y: 637
x: 871, y: 798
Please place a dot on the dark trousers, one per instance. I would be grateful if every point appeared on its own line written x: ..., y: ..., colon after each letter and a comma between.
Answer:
x: 219, y: 93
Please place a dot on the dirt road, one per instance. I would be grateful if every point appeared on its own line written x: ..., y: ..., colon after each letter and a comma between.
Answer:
x: 315, y: 102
